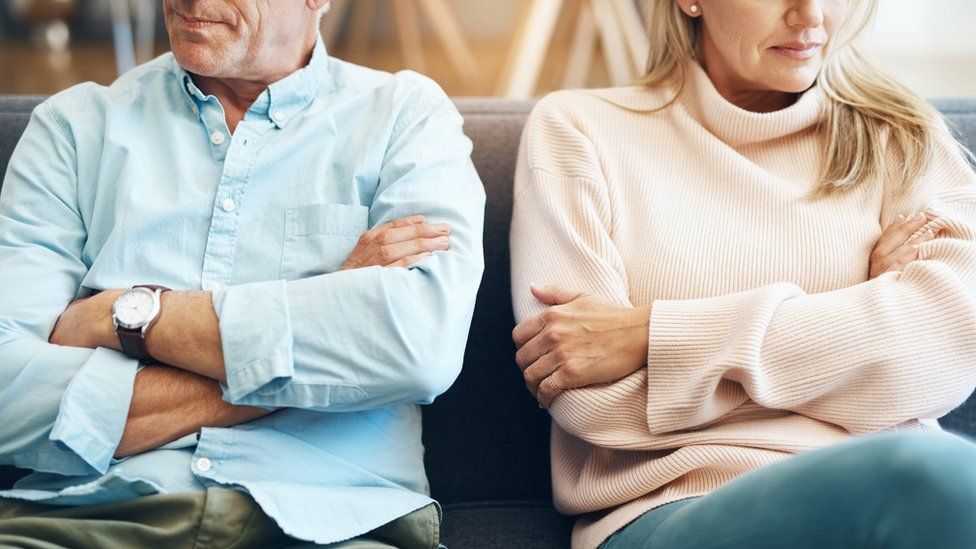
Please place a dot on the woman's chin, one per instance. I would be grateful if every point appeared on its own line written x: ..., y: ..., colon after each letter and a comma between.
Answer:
x: 797, y: 81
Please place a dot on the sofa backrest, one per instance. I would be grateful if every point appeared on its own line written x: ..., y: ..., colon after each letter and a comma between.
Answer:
x: 486, y: 439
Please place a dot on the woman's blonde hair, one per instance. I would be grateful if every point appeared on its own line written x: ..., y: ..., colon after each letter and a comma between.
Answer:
x: 865, y: 105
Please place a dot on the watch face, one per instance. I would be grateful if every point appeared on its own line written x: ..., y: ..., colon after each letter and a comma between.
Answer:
x: 135, y: 308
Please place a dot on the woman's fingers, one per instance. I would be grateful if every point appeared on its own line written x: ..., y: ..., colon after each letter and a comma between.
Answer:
x: 528, y: 329
x: 908, y: 251
x: 538, y: 371
x: 904, y: 254
x: 533, y: 350
x: 552, y: 386
x: 896, y: 235
x: 904, y: 259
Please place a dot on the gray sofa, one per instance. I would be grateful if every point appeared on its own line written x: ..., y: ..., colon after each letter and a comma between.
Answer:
x: 487, y: 442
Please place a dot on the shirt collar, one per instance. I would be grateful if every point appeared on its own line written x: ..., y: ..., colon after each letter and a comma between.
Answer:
x: 282, y: 101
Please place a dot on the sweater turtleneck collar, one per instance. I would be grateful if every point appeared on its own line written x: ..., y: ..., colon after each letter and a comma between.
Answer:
x: 736, y: 126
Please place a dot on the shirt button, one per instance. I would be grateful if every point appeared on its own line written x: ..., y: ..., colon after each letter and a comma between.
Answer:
x: 203, y: 465
x: 278, y: 117
x: 228, y: 205
x: 217, y: 138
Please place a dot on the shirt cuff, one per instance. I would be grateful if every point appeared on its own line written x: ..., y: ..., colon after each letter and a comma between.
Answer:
x: 256, y: 336
x: 95, y: 407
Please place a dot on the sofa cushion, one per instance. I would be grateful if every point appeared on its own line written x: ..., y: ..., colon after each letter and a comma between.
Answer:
x: 505, y: 524
x: 486, y: 438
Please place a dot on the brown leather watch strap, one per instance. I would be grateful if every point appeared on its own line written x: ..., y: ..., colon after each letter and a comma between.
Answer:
x: 132, y: 341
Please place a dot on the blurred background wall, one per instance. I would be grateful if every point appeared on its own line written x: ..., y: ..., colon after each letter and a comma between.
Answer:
x: 929, y: 44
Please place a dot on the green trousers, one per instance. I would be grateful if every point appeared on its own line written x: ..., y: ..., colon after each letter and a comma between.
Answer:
x: 217, y: 518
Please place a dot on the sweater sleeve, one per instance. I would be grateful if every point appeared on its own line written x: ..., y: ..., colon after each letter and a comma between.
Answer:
x: 561, y: 219
x: 561, y: 233
x: 865, y: 358
x: 899, y: 347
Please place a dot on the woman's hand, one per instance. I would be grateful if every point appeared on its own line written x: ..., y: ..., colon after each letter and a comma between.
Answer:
x: 581, y: 340
x: 399, y: 243
x: 898, y: 245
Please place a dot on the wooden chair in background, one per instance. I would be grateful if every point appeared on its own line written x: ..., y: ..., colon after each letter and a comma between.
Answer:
x: 618, y: 26
x: 442, y: 21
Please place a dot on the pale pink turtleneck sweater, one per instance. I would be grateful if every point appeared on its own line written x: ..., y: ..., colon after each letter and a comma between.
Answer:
x: 766, y: 336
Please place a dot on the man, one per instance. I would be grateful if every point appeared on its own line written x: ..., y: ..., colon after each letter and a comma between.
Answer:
x: 319, y: 226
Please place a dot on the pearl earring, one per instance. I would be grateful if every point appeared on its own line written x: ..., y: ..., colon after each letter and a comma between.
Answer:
x: 694, y: 9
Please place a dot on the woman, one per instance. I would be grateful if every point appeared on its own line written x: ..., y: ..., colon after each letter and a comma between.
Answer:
x: 766, y: 248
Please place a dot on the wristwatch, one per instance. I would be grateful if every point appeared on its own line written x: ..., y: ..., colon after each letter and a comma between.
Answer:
x: 133, y: 313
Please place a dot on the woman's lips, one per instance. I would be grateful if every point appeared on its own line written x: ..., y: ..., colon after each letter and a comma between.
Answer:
x: 798, y: 51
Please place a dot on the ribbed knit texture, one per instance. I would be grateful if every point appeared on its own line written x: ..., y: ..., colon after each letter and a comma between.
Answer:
x: 766, y: 336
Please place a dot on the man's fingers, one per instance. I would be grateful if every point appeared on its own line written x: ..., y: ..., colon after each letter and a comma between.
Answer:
x: 404, y: 222
x: 391, y: 253
x: 410, y: 260
x: 412, y: 232
x: 373, y: 233
x: 896, y: 235
x: 527, y: 330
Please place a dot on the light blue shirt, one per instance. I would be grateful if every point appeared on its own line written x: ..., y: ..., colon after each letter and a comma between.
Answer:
x: 142, y: 183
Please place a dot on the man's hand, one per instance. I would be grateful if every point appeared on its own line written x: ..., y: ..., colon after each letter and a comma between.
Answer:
x: 898, y: 245
x: 399, y: 243
x: 581, y: 340
x: 87, y: 322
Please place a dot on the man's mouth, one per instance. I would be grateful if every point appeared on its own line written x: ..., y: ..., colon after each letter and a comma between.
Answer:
x: 197, y: 22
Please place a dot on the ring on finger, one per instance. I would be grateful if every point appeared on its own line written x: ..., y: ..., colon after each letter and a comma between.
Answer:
x: 552, y: 384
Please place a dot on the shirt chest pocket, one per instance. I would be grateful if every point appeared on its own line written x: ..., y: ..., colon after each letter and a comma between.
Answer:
x: 319, y: 238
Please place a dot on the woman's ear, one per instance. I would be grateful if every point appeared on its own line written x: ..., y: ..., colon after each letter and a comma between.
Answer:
x: 692, y: 8
x: 316, y: 5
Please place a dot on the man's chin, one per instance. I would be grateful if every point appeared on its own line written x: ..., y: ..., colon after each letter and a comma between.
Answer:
x: 200, y: 60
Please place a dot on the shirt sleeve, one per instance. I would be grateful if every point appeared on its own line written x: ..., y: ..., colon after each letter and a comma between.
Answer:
x: 865, y: 358
x: 62, y: 409
x: 365, y: 338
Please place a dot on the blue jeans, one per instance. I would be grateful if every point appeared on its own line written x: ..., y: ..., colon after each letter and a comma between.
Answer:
x: 894, y: 490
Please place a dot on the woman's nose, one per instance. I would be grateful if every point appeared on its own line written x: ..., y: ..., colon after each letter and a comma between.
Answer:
x: 805, y: 14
